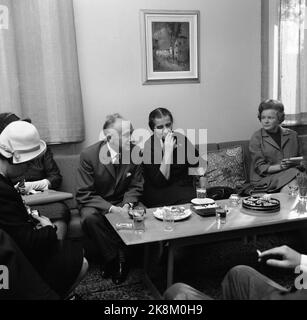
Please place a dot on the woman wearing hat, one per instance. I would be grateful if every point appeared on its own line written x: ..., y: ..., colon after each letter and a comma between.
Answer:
x: 40, y: 174
x: 60, y: 263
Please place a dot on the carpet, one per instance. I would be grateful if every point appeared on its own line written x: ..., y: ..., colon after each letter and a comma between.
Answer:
x: 94, y: 287
x: 202, y: 267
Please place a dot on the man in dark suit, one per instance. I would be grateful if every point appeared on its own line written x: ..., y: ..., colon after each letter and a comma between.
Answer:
x: 109, y: 181
x: 245, y: 283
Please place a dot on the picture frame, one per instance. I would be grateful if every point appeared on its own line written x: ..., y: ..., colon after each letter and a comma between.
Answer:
x: 170, y: 46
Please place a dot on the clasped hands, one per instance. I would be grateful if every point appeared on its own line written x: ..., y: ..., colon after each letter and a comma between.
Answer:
x: 28, y: 186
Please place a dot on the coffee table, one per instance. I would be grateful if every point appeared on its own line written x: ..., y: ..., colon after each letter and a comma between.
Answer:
x: 197, y: 229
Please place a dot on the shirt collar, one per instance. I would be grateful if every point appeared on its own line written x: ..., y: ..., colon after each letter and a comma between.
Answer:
x: 113, y: 153
x: 283, y: 132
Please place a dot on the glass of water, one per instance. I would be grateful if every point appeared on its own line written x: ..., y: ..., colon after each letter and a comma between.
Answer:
x: 201, y: 188
x: 168, y: 219
x: 138, y: 215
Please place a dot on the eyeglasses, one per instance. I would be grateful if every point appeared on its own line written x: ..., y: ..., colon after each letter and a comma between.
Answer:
x: 167, y: 125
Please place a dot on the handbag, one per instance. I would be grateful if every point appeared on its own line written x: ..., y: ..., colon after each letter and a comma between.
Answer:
x: 219, y: 192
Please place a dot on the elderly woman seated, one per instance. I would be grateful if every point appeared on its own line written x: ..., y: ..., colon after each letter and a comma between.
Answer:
x: 270, y: 148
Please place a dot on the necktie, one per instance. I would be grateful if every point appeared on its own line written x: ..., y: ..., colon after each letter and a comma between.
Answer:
x: 116, y: 164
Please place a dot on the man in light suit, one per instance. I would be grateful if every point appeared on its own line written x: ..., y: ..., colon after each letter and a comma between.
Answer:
x: 109, y: 181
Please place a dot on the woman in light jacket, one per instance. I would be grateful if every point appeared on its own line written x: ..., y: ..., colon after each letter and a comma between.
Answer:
x: 270, y: 147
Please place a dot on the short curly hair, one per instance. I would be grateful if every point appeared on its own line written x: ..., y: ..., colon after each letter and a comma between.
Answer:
x: 274, y: 105
x: 158, y: 113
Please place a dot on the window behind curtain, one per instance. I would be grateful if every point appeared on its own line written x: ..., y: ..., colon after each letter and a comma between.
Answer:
x: 284, y: 57
x: 39, y: 75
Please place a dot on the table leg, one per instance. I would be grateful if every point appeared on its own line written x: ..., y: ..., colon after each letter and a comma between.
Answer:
x: 170, y: 265
x: 155, y: 292
x: 146, y: 257
x: 245, y: 240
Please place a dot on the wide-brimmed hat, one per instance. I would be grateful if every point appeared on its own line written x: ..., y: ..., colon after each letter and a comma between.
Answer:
x: 8, y: 117
x: 20, y: 140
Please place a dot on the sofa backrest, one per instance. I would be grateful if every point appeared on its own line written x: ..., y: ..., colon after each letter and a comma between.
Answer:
x: 68, y: 165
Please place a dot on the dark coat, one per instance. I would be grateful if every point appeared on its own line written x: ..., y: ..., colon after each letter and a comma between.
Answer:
x: 178, y: 189
x: 43, y: 167
x: 265, y: 152
x: 24, y: 281
x: 14, y: 219
x: 99, y: 186
x: 58, y: 262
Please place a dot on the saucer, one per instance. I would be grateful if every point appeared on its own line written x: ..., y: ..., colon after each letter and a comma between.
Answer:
x: 202, y: 201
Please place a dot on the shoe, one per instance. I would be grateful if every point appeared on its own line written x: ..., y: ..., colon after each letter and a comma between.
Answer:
x: 120, y: 269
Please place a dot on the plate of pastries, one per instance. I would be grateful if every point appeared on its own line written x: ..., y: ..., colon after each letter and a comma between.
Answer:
x: 180, y: 213
x: 261, y: 203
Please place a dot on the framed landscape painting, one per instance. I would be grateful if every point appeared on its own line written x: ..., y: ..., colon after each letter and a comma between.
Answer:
x: 170, y: 46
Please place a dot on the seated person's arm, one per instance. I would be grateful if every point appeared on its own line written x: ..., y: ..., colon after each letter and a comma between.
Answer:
x: 52, y: 171
x: 86, y: 192
x: 30, y: 239
x: 262, y: 167
x: 151, y: 169
x: 167, y: 159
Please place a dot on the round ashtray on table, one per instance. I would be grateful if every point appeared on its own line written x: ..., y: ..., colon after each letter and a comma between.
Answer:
x: 260, y: 205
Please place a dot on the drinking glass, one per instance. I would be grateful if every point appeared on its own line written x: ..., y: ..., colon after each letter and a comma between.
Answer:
x: 201, y: 188
x: 168, y: 219
x: 138, y: 215
x: 301, y: 179
x: 293, y: 190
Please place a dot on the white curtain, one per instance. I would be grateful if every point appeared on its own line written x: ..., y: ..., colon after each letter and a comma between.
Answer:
x: 39, y: 76
x: 292, y: 61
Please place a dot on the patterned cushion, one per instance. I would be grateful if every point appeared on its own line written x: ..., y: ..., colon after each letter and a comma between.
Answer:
x: 226, y: 167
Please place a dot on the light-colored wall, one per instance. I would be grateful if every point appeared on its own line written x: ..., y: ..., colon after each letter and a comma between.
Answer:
x: 224, y: 102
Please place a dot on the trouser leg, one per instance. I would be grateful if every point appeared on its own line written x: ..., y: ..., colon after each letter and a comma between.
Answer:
x: 181, y: 291
x: 99, y: 231
x: 245, y: 283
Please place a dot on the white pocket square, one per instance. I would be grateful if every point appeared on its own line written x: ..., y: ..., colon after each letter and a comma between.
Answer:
x: 128, y: 174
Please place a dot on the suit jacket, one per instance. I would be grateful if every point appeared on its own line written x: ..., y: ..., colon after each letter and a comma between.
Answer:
x: 265, y: 152
x: 14, y: 219
x: 99, y: 186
